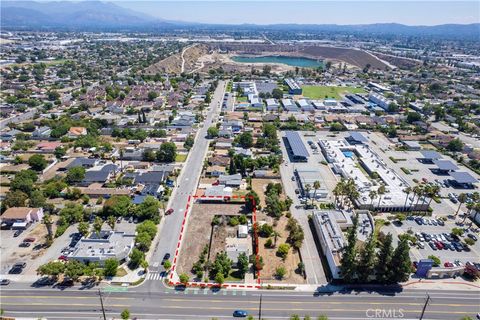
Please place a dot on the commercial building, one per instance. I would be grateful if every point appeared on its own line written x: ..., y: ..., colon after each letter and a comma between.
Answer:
x: 295, y: 146
x: 293, y: 87
x: 21, y: 217
x: 289, y: 105
x: 329, y: 226
x: 104, y: 245
x: 358, y: 162
x: 272, y: 104
x: 306, y: 177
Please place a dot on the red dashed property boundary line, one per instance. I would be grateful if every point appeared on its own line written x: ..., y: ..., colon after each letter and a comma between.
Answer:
x: 179, y: 243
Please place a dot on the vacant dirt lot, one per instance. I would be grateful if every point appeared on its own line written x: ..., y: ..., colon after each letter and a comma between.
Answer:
x: 270, y: 258
x: 260, y: 185
x: 197, y: 233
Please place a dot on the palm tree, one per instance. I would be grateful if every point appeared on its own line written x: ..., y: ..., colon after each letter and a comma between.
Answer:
x: 476, y: 208
x: 337, y: 192
x: 433, y: 192
x: 316, y: 186
x: 276, y: 235
x: 111, y: 222
x: 372, y: 194
x: 462, y: 198
x: 308, y: 187
x: 48, y: 222
x: 381, y: 191
x: 407, y: 191
x: 121, y: 159
x: 419, y: 191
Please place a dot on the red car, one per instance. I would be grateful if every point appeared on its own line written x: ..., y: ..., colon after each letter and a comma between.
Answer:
x: 448, y: 265
x: 63, y: 258
x: 29, y: 239
x: 169, y: 212
x: 439, y: 245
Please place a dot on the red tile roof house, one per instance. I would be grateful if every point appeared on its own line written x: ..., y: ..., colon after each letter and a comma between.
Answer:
x: 48, y: 147
x: 76, y: 132
x: 22, y: 216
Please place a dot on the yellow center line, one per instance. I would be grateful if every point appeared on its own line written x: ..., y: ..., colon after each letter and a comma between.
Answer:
x: 62, y: 304
x: 315, y: 310
x: 63, y: 297
x: 326, y: 302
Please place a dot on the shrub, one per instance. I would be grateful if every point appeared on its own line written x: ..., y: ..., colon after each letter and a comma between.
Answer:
x: 280, y: 272
x: 283, y: 250
x: 233, y: 221
x: 436, y: 260
x: 269, y: 243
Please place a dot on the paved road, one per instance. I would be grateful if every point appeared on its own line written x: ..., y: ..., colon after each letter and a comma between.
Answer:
x: 186, y: 185
x: 200, y: 304
x: 309, y: 251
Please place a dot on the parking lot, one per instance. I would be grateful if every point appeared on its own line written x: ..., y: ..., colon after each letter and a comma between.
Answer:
x: 436, y: 239
x: 36, y: 254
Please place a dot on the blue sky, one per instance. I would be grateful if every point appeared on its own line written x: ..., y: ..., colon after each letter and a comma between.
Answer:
x: 311, y: 12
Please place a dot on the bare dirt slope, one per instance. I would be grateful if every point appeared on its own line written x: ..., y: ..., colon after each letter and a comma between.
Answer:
x: 173, y: 64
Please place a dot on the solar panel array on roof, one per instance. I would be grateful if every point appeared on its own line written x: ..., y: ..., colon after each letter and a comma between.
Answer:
x: 463, y: 177
x: 296, y: 143
x: 357, y: 136
x: 429, y: 154
x: 446, y: 165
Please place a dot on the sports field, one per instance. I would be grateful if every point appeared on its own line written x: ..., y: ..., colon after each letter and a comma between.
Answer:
x: 322, y: 92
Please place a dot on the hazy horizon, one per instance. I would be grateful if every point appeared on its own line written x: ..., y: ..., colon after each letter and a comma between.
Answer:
x: 311, y: 12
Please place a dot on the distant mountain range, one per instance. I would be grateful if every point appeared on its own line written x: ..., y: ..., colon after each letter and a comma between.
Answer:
x: 108, y: 16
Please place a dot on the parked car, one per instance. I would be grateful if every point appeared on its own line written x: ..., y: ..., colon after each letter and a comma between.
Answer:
x: 433, y: 246
x: 4, y: 282
x: 63, y: 258
x: 240, y: 314
x: 20, y: 265
x: 119, y: 219
x: 421, y: 245
x: 169, y: 212
x: 448, y: 265
x: 17, y: 233
x: 439, y: 245
x: 440, y: 222
x: 29, y: 239
x: 130, y: 220
x: 472, y: 236
x: 15, y: 270
x: 165, y: 257
x: 24, y: 244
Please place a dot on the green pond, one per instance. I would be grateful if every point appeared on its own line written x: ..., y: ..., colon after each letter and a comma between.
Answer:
x: 291, y: 61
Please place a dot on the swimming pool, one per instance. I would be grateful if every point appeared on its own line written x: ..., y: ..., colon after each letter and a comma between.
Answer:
x: 348, y: 154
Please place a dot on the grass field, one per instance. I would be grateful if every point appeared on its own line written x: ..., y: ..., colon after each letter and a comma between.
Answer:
x: 180, y: 157
x: 321, y: 92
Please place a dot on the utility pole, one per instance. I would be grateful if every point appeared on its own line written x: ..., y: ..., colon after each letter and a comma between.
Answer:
x: 260, y: 308
x: 101, y: 303
x: 425, y: 306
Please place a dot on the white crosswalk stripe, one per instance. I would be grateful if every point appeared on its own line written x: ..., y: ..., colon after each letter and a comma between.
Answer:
x: 154, y: 276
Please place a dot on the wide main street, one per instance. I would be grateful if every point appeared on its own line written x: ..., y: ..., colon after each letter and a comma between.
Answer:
x: 185, y: 186
x: 208, y: 304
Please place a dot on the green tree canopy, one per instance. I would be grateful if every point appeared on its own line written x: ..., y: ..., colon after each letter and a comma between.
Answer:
x: 37, y: 162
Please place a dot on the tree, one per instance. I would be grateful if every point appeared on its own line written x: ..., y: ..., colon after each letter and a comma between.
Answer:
x: 266, y: 230
x: 277, y: 93
x: 242, y: 264
x: 188, y: 144
x: 111, y: 222
x: 75, y: 175
x: 97, y: 225
x: 83, y: 228
x: 15, y: 198
x: 401, y: 263
x: 52, y: 268
x: 456, y: 145
x: 212, y: 132
x: 143, y: 241
x: 413, y: 117
x: 149, y: 209
x: 348, y: 268
x: 251, y: 200
x: 384, y: 259
x: 245, y: 140
x: 24, y: 181
x: 280, y: 272
x: 167, y: 152
x: 37, y: 199
x: 59, y: 152
x: 48, y: 222
x: 148, y: 227
x: 117, y: 206
x: 435, y: 259
x: 283, y: 250
x: 37, y: 162
x: 366, y: 265
x: 125, y: 315
x: 74, y: 269
x: 152, y: 95
x: 110, y: 267
x: 136, y: 257
x: 167, y: 265
x: 462, y: 198
x: 184, y: 278
x: 222, y: 264
x: 220, y: 278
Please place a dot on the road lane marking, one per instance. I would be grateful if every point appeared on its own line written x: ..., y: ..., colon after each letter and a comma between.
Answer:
x: 62, y: 304
x: 63, y: 297
x: 324, y: 302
